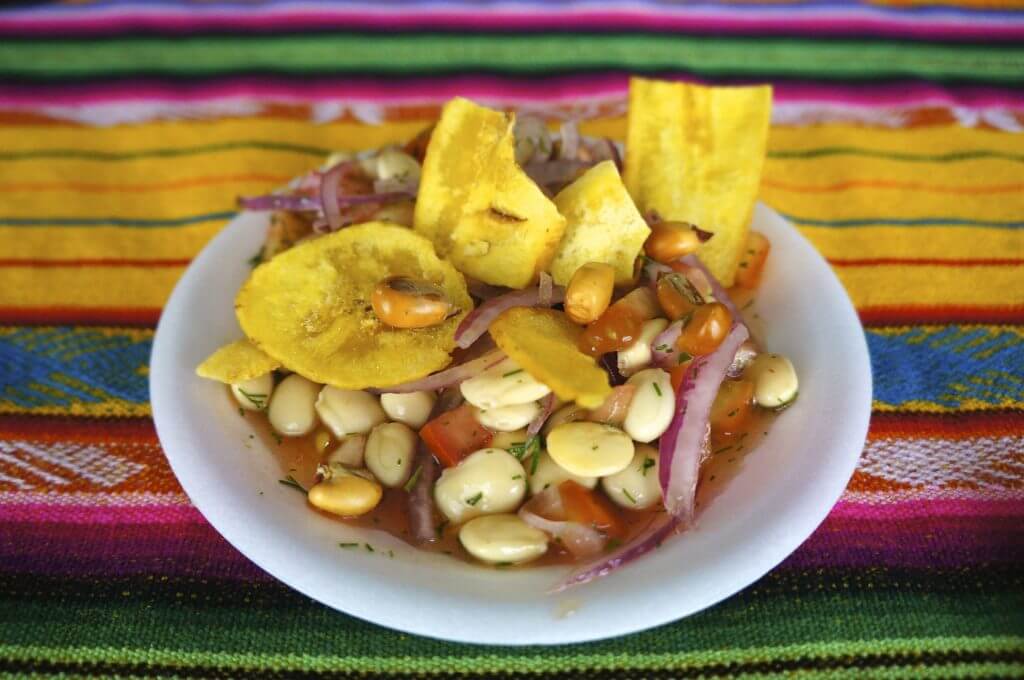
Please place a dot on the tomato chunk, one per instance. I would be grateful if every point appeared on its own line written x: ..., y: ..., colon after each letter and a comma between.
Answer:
x: 732, y: 407
x: 455, y: 434
x: 586, y: 507
x: 748, y: 275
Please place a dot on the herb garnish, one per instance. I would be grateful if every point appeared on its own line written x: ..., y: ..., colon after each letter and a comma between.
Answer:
x: 502, y: 564
x: 257, y: 400
x: 290, y: 481
x: 648, y: 464
x: 348, y: 545
x: 718, y: 451
x: 662, y: 347
x: 411, y: 484
x: 517, y: 476
x: 440, y: 528
x: 511, y: 373
x: 473, y: 500
x: 627, y: 494
x: 241, y: 411
x: 657, y: 388
x: 255, y: 259
x: 277, y: 437
x: 684, y: 357
x: 612, y: 544
x: 536, y: 457
x: 369, y: 548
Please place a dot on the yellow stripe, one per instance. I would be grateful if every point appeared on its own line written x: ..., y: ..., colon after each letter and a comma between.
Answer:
x: 901, y: 285
x: 106, y: 242
x: 22, y: 287
x: 963, y: 243
x: 933, y: 139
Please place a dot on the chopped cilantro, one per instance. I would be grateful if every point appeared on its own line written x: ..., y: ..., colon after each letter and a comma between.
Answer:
x: 411, y: 484
x: 369, y: 548
x: 241, y: 411
x: 473, y: 500
x: 612, y: 544
x: 440, y: 528
x: 684, y: 357
x: 255, y: 259
x: 257, y: 400
x: 290, y: 481
x: 721, y: 450
x: 627, y: 494
x: 348, y: 545
x: 511, y: 373
x: 517, y: 476
x: 657, y: 388
x: 648, y: 464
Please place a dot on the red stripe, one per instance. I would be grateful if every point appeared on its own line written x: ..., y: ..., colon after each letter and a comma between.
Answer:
x: 911, y: 315
x: 143, y: 317
x: 99, y: 262
x: 961, y: 425
x: 877, y: 261
x: 64, y: 428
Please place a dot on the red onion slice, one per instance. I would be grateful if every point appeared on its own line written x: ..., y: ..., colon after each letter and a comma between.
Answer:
x: 547, y: 407
x: 446, y: 378
x: 289, y: 202
x: 614, y: 409
x: 682, y: 445
x: 329, y: 187
x: 653, y: 536
x: 479, y: 320
x: 579, y: 539
x: 744, y: 355
x: 421, y: 500
x: 569, y: 149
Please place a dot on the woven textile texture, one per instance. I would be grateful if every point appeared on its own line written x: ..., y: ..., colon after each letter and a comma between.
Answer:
x: 129, y: 127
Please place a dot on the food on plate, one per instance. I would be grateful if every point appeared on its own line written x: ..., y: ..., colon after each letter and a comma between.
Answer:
x: 694, y: 154
x: 483, y: 344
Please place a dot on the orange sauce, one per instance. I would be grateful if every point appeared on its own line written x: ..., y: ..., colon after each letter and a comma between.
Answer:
x: 298, y: 458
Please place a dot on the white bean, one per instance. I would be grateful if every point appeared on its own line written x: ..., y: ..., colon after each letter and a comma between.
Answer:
x: 775, y: 381
x: 347, y: 412
x: 291, y: 411
x: 254, y: 395
x: 590, y: 449
x: 505, y: 384
x: 349, y: 451
x: 653, y: 405
x: 411, y: 408
x: 507, y: 418
x: 485, y: 482
x: 549, y: 473
x: 390, y: 449
x: 637, y: 486
x: 502, y: 539
x: 393, y: 164
x: 638, y: 355
x: 503, y: 440
x: 345, y: 494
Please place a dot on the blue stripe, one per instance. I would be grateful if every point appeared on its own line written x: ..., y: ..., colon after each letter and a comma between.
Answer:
x: 114, y: 221
x: 947, y: 365
x: 891, y: 222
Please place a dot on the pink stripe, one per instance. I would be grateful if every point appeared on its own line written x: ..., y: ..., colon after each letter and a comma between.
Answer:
x: 420, y: 91
x: 836, y: 22
x: 928, y: 508
x: 70, y: 513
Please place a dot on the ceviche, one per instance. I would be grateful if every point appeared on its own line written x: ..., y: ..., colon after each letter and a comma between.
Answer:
x: 512, y: 342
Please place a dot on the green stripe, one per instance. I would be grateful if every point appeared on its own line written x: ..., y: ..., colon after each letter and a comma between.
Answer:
x: 131, y: 223
x: 948, y: 157
x: 639, y: 660
x: 162, y: 152
x: 528, y: 54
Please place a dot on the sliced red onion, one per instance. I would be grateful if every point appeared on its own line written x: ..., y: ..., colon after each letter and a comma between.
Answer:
x: 609, y: 361
x: 662, y: 528
x: 613, y: 149
x: 569, y: 149
x: 483, y: 291
x: 547, y: 407
x: 579, y: 539
x: 614, y: 409
x: 716, y: 288
x: 329, y: 187
x: 663, y: 347
x: 479, y: 320
x: 446, y: 378
x: 544, y: 289
x: 744, y: 355
x: 421, y: 500
x: 289, y: 202
x: 682, y: 445
x: 555, y: 173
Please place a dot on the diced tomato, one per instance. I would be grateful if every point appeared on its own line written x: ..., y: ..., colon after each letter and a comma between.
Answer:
x: 586, y: 507
x: 755, y: 252
x: 455, y: 434
x: 677, y: 373
x: 732, y: 407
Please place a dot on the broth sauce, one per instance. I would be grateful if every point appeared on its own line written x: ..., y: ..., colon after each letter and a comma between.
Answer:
x: 298, y: 458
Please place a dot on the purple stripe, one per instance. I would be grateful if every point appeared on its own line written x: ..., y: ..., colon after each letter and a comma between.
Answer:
x: 119, y: 513
x: 494, y: 89
x: 830, y: 22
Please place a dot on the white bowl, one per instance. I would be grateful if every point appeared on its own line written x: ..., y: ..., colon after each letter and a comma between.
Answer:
x: 784, y: 489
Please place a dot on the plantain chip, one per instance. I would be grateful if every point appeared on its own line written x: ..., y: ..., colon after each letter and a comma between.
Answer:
x: 694, y: 154
x: 478, y: 206
x: 237, y: 362
x: 309, y: 307
x: 543, y: 343
x: 602, y: 225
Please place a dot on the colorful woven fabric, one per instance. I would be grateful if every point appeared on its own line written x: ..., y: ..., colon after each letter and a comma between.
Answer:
x: 128, y: 127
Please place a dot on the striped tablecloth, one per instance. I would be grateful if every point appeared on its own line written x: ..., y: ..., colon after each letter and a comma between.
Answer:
x: 127, y: 128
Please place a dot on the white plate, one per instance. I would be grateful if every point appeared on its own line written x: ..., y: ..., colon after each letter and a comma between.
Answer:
x: 785, y: 488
